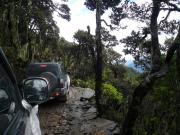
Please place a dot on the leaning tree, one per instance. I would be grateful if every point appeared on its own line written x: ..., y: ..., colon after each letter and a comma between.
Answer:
x: 152, y: 48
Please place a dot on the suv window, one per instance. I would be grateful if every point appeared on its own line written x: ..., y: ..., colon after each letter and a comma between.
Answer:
x: 37, y: 69
x: 7, y: 104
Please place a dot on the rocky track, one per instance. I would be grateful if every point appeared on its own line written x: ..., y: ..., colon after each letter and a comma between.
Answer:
x: 75, y: 117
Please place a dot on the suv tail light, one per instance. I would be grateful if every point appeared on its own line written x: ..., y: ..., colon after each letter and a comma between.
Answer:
x: 55, y: 94
x: 43, y: 65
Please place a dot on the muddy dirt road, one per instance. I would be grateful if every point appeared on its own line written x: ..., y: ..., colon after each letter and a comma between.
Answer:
x: 75, y: 117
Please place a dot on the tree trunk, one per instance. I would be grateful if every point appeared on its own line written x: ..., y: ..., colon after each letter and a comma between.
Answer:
x: 143, y: 89
x: 30, y: 52
x: 91, y: 49
x: 13, y: 27
x: 98, y: 76
x: 178, y: 63
x: 139, y: 93
x: 178, y: 90
x: 155, y: 49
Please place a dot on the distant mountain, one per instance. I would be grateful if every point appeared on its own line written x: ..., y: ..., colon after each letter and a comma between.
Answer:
x: 131, y: 64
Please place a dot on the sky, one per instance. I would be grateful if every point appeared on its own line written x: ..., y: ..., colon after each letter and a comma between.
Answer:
x: 81, y: 17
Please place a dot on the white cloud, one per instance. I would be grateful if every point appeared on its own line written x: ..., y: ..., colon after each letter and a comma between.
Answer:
x: 140, y: 2
x: 80, y: 19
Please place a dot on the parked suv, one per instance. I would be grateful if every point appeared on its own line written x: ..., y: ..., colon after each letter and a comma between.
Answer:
x: 15, y: 111
x: 61, y: 90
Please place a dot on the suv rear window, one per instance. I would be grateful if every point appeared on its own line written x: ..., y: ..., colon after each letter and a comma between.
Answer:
x: 37, y: 69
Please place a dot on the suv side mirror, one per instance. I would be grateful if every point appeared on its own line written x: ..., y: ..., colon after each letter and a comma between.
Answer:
x: 68, y: 72
x: 35, y: 90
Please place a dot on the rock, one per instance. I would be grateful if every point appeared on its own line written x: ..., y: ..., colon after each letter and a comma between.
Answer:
x: 92, y: 110
x: 116, y: 131
x: 104, y: 125
x: 71, y: 123
x: 86, y: 107
x: 70, y: 118
x: 112, y: 127
x: 87, y: 94
x: 70, y: 109
x: 64, y: 115
x: 64, y: 122
x: 90, y: 116
x: 82, y: 99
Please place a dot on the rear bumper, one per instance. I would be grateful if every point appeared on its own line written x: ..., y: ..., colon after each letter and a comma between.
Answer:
x: 58, y: 92
x: 62, y: 91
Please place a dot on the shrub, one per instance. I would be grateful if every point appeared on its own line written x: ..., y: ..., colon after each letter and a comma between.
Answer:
x: 111, y: 96
x: 84, y: 83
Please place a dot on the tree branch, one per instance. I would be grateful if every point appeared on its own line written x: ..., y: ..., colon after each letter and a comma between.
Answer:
x: 145, y: 32
x: 173, y: 47
x: 170, y: 9
x: 102, y: 20
x: 169, y: 12
x: 174, y: 6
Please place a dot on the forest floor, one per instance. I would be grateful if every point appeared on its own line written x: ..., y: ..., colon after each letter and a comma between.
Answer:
x: 75, y: 117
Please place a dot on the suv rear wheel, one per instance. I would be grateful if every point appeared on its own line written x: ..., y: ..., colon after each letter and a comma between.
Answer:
x: 64, y: 98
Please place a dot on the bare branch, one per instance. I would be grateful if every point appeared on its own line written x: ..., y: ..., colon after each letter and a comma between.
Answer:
x: 102, y: 20
x: 174, y: 6
x: 169, y: 12
x: 146, y: 31
x: 169, y: 9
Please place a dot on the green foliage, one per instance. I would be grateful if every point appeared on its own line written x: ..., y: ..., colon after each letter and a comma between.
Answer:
x: 28, y: 28
x: 159, y: 111
x: 113, y: 114
x: 111, y: 96
x: 107, y: 74
x: 91, y: 4
x: 84, y: 83
x: 132, y: 77
x: 85, y: 55
x: 113, y: 58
